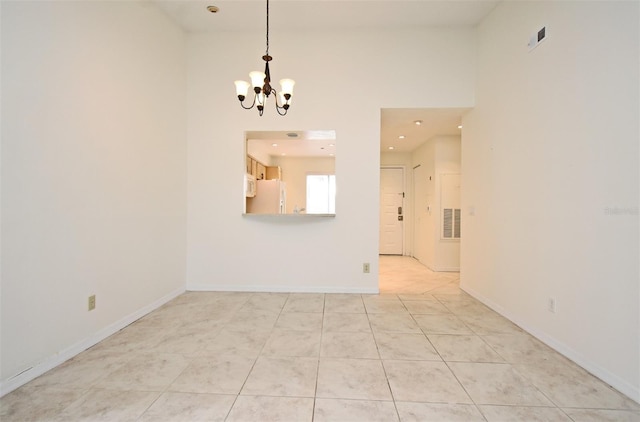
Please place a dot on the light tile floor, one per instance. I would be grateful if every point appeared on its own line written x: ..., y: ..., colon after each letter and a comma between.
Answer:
x: 421, y: 350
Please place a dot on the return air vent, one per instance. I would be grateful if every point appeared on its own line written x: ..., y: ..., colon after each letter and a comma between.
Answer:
x: 451, y: 223
x: 537, y: 38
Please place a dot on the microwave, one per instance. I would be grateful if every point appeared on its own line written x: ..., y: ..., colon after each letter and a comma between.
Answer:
x: 249, y: 185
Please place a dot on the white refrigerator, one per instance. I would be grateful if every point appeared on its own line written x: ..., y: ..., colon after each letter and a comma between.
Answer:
x: 271, y: 198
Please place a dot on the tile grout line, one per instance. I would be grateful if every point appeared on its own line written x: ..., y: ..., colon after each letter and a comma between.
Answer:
x: 315, y: 391
x: 257, y: 356
x: 384, y: 369
x: 447, y: 364
x: 476, y: 334
x: 465, y: 390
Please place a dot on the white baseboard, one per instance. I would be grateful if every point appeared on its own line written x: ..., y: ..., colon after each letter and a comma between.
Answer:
x: 623, y: 386
x: 277, y: 289
x: 7, y: 386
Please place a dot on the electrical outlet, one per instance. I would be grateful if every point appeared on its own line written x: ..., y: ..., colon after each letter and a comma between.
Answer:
x: 92, y: 302
x: 366, y: 268
x: 551, y: 305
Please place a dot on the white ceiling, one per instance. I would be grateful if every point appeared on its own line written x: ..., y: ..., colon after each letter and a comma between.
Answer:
x: 240, y: 15
x: 305, y: 143
x: 243, y: 15
x: 395, y: 122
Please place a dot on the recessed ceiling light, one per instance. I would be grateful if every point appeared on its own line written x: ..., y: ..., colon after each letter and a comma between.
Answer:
x: 284, y: 153
x: 213, y: 9
x: 459, y: 126
x: 401, y: 137
x: 332, y: 145
x: 274, y: 145
x: 391, y: 148
x: 331, y: 154
x: 418, y: 122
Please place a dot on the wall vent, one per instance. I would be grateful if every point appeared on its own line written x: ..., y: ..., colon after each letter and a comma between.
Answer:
x: 539, y: 36
x: 451, y: 223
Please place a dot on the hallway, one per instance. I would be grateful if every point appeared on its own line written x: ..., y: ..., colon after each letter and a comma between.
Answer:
x: 405, y: 275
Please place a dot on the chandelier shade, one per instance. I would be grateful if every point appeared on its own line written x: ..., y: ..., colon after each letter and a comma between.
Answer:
x: 262, y: 89
x: 242, y: 88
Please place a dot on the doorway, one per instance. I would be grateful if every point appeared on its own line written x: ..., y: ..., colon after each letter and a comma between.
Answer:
x: 392, y: 211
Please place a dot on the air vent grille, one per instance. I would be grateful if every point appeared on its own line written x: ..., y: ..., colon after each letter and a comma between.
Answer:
x: 451, y: 223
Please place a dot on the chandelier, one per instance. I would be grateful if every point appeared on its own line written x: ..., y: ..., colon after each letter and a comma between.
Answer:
x: 262, y: 88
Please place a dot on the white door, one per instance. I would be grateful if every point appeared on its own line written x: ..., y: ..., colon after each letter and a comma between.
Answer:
x: 391, y: 211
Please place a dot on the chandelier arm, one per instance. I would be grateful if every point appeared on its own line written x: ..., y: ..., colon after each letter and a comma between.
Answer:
x: 275, y: 95
x: 281, y: 108
x: 252, y: 104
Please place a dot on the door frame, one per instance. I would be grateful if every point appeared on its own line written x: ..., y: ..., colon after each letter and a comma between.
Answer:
x: 404, y: 204
x: 414, y: 227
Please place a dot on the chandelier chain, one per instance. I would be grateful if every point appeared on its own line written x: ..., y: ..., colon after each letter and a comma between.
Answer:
x: 267, y: 27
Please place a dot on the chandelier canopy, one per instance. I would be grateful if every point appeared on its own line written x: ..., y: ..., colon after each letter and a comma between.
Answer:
x: 261, y: 82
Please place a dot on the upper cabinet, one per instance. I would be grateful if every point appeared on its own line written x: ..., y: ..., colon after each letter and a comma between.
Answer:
x: 274, y: 172
x: 261, y: 171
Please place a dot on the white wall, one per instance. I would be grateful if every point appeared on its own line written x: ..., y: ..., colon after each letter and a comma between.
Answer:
x: 437, y: 156
x: 425, y: 208
x: 344, y: 79
x: 448, y: 162
x: 550, y: 165
x: 294, y: 174
x: 260, y: 151
x: 93, y: 174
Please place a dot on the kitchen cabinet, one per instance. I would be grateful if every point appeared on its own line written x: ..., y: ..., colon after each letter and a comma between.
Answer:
x: 274, y: 172
x: 260, y: 171
x: 254, y: 167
